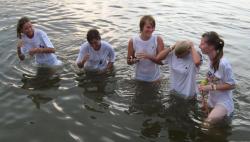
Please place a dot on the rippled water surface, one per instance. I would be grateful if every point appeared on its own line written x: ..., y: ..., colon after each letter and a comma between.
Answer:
x: 73, y: 107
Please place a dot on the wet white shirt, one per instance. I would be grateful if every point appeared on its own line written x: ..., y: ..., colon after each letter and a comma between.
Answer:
x: 145, y: 69
x: 98, y: 60
x: 183, y: 74
x: 40, y: 40
x: 223, y: 75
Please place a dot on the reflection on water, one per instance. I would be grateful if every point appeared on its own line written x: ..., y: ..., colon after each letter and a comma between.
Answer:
x: 147, y: 98
x: 39, y: 99
x: 45, y: 78
x: 179, y: 114
x: 96, y: 86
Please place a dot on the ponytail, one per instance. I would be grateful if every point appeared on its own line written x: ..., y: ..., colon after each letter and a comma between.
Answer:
x: 214, y: 39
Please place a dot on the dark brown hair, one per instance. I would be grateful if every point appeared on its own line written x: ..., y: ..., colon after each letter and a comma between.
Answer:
x: 212, y: 38
x: 20, y: 24
x: 93, y: 34
x: 144, y: 19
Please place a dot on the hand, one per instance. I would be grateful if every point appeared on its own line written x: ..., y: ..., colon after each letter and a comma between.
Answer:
x: 191, y: 44
x: 86, y: 57
x: 133, y: 60
x: 19, y: 43
x: 205, y: 88
x: 142, y: 56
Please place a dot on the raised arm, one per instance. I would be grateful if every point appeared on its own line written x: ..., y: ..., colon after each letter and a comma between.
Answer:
x: 195, y: 55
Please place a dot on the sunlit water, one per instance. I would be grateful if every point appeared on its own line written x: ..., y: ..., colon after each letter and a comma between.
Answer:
x: 72, y: 107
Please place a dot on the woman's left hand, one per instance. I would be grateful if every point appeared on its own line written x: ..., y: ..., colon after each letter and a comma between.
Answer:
x: 205, y: 88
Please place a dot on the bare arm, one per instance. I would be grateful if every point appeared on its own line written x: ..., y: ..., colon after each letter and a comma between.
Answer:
x: 160, y: 48
x: 41, y: 50
x: 131, y: 53
x: 195, y: 55
x: 82, y: 62
x: 19, y: 46
x: 219, y: 87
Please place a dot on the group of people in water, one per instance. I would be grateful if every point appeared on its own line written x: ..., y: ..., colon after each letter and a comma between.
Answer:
x: 147, y: 52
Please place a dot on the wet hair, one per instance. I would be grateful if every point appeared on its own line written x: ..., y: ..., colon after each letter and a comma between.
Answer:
x: 213, y: 39
x: 20, y: 24
x: 146, y: 18
x: 181, y: 47
x: 93, y: 34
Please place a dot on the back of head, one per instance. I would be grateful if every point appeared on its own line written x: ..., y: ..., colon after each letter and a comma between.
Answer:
x: 181, y: 47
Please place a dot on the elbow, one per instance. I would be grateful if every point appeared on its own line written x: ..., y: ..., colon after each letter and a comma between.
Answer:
x: 233, y: 86
x: 53, y: 50
x: 79, y: 65
x: 197, y: 63
x: 21, y: 57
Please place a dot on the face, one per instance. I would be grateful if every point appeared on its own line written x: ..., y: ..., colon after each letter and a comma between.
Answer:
x: 148, y: 29
x: 205, y: 48
x: 28, y: 29
x: 96, y: 44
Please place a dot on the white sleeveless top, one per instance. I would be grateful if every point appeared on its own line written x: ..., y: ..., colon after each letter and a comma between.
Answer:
x: 145, y: 69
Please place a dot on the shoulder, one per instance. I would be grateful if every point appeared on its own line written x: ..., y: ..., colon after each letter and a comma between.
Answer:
x: 85, y: 45
x: 39, y: 31
x: 225, y: 64
x: 106, y: 44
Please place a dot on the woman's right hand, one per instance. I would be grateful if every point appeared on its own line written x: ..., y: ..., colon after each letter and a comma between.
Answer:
x: 19, y: 43
x: 86, y: 57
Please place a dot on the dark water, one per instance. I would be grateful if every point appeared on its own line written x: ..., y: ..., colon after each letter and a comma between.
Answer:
x: 73, y: 107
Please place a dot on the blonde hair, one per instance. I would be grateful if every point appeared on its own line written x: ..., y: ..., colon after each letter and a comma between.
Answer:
x: 181, y: 47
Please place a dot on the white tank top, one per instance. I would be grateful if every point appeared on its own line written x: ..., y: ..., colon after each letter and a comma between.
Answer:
x: 145, y: 69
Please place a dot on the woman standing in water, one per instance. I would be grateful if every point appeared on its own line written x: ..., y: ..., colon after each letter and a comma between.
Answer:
x: 95, y: 55
x: 220, y: 79
x: 35, y: 42
x: 184, y: 62
x: 143, y: 48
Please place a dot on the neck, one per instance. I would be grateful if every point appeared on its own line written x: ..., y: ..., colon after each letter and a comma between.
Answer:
x: 144, y: 37
x: 30, y: 35
x: 212, y: 55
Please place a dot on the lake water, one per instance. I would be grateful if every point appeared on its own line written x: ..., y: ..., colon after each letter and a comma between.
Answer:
x: 73, y: 107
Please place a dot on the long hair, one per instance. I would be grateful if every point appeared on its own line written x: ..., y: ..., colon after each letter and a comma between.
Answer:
x: 20, y: 24
x: 212, y: 38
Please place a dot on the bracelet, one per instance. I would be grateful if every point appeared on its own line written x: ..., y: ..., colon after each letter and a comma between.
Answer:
x: 171, y: 48
x: 213, y: 86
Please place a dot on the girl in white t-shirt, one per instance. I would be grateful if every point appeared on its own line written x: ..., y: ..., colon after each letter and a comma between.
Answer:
x: 96, y: 55
x: 143, y: 48
x: 184, y: 62
x: 220, y: 79
x: 35, y: 42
